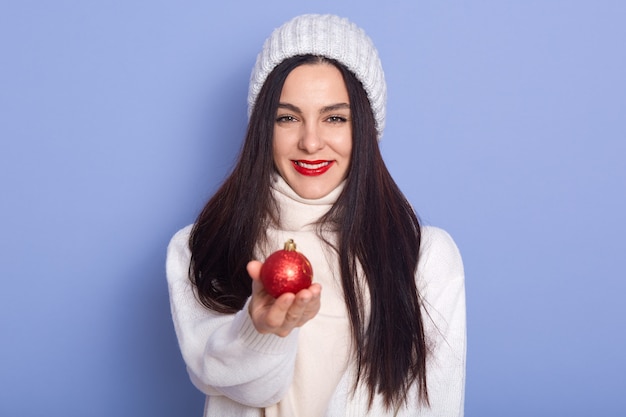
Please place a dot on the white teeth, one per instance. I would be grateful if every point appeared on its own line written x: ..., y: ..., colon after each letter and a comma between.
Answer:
x: 312, y: 166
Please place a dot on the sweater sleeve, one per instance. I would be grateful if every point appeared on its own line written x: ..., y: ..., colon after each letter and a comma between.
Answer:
x: 224, y: 353
x: 442, y: 284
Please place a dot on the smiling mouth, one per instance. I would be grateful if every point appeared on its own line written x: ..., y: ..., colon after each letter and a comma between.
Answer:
x: 312, y: 168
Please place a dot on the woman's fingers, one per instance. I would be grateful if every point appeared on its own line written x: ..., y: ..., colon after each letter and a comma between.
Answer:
x: 315, y: 304
x: 276, y: 313
x: 254, y: 269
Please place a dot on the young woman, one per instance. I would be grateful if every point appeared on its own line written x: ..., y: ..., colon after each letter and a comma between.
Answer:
x: 381, y: 331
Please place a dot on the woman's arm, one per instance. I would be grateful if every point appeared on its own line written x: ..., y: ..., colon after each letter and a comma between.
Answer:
x: 224, y: 353
x: 441, y: 280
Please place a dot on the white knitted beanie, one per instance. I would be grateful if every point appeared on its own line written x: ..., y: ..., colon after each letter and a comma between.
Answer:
x: 329, y: 36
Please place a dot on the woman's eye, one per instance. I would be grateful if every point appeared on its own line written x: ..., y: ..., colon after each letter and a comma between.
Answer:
x: 337, y: 119
x: 285, y: 119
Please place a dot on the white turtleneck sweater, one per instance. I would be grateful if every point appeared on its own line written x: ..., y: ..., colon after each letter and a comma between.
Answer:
x: 309, y: 372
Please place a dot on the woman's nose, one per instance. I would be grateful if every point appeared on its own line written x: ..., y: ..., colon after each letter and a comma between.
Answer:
x: 310, y: 139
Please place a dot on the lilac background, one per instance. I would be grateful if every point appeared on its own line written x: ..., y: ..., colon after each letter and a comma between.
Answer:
x: 118, y: 119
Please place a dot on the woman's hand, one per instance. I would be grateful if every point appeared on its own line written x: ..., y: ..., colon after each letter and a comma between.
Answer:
x: 280, y: 315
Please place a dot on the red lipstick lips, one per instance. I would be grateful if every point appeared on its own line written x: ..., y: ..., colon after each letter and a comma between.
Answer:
x: 312, y: 168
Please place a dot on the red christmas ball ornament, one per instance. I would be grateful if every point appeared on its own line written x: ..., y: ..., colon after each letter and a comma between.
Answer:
x: 286, y: 270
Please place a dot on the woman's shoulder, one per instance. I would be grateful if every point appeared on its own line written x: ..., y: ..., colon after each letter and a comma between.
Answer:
x: 178, y: 253
x: 181, y: 237
x: 439, y: 252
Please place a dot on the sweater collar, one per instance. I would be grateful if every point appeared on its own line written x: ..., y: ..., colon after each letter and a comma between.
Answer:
x: 297, y: 213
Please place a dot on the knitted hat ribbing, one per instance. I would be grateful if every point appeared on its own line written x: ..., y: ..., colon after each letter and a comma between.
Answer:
x: 329, y: 36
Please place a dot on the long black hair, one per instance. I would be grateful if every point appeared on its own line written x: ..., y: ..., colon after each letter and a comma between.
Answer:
x: 376, y: 231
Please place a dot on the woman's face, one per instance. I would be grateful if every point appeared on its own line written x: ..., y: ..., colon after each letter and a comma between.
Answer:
x: 313, y: 130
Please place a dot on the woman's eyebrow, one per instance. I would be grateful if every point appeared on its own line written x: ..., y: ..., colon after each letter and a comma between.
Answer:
x: 335, y: 107
x: 291, y: 107
x: 325, y: 109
